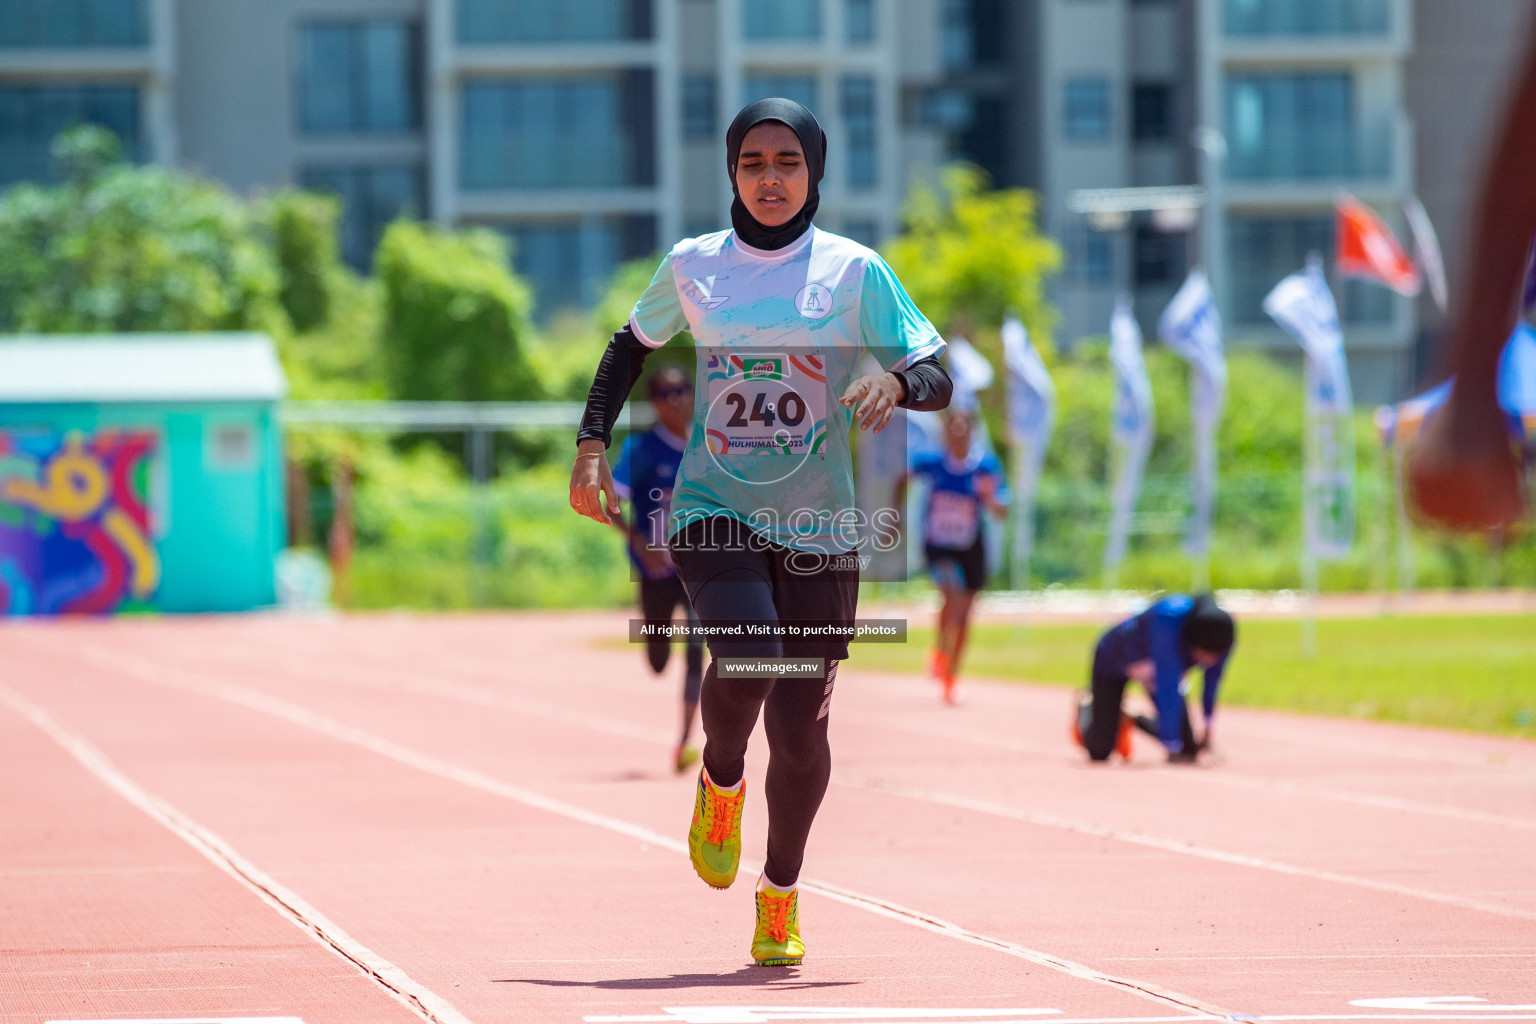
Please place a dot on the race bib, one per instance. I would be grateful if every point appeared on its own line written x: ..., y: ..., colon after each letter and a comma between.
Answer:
x: 770, y: 404
x: 952, y: 520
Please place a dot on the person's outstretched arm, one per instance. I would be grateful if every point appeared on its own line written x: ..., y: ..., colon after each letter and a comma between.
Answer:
x: 1463, y: 472
x: 592, y: 490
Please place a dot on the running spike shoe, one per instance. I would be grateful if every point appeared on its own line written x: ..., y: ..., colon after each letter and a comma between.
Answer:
x: 714, y: 838
x: 686, y: 757
x: 1082, y: 714
x: 1123, y: 741
x: 938, y: 665
x: 777, y: 942
x: 951, y: 689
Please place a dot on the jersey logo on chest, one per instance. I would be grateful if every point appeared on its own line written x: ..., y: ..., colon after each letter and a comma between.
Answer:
x: 814, y: 301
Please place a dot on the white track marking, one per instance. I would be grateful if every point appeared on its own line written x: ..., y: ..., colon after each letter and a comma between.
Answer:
x: 416, y: 997
x: 258, y: 701
x: 724, y: 1015
x: 1389, y: 803
x: 481, y: 696
x: 1174, y: 845
x: 189, y: 1020
x: 427, y: 685
x: 766, y: 1014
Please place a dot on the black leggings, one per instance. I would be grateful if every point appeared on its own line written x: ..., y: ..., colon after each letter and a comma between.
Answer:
x: 795, y: 715
x: 740, y: 586
x: 1104, y: 719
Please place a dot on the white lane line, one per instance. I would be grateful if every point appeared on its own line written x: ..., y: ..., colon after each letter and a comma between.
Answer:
x: 1174, y: 845
x: 1389, y: 803
x: 471, y: 694
x: 416, y: 997
x: 258, y: 701
x: 429, y: 686
x: 1225, y: 777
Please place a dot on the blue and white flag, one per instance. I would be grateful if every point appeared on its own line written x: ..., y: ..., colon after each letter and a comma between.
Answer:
x: 1131, y: 429
x: 970, y: 371
x: 1191, y: 327
x: 1031, y: 418
x: 1304, y: 306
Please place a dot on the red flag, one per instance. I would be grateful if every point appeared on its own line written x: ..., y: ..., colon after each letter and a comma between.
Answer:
x: 1367, y: 248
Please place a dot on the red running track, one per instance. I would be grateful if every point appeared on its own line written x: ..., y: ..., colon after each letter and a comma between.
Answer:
x: 471, y: 819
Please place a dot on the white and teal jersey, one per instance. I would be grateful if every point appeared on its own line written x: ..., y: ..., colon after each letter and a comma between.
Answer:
x: 779, y: 337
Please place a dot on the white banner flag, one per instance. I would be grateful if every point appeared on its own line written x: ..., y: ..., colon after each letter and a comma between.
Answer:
x: 969, y: 370
x: 1131, y: 429
x: 1191, y: 327
x: 1031, y: 418
x: 1304, y: 306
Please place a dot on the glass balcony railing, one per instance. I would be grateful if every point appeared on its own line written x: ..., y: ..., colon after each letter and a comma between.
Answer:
x: 1302, y: 153
x: 68, y: 24
x: 1261, y: 18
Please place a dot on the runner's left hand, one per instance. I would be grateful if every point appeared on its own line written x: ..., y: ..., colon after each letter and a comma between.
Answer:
x: 876, y: 395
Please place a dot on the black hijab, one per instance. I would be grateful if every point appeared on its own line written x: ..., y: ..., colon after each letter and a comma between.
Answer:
x: 813, y: 143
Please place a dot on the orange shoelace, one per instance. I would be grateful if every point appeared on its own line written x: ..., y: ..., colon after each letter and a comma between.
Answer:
x: 775, y: 910
x: 722, y: 811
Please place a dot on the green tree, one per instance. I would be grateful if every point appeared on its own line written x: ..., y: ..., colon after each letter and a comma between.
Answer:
x: 455, y: 317
x: 124, y: 248
x: 970, y: 251
x: 303, y: 228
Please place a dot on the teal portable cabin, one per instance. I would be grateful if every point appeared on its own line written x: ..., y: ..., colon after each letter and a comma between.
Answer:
x: 139, y: 472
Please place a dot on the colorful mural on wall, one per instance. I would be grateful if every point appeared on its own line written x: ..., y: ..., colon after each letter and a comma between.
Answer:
x: 76, y: 533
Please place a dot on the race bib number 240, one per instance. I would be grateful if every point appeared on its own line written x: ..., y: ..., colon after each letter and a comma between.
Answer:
x: 769, y: 404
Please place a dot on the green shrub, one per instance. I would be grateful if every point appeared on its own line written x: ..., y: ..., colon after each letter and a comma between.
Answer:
x: 455, y: 317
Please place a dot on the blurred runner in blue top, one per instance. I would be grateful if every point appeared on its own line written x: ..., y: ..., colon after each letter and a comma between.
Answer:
x: 963, y: 479
x: 644, y: 476
x: 1156, y: 648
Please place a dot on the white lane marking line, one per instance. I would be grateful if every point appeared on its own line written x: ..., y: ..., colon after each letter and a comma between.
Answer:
x: 1226, y: 777
x: 1390, y: 803
x: 468, y: 693
x: 428, y: 686
x: 1174, y: 845
x: 258, y: 701
x: 188, y: 1020
x: 764, y: 1014
x: 1439, y: 1003
x: 417, y: 998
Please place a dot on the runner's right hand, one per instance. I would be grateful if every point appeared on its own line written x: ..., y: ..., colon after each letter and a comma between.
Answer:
x: 592, y: 492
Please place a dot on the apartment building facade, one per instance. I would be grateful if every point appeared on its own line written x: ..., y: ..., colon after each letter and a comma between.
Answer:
x: 591, y: 132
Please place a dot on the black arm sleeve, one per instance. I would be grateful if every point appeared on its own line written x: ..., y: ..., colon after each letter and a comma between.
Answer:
x: 928, y: 385
x: 617, y: 372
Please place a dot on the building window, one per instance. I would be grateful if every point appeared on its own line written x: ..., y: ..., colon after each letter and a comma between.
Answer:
x: 31, y: 115
x: 859, y: 123
x: 786, y: 20
x: 73, y: 23
x: 371, y: 197
x: 859, y: 21
x: 800, y: 88
x: 1291, y: 126
x: 1158, y: 256
x: 569, y: 261
x: 1306, y: 17
x: 552, y: 21
x: 699, y: 106
x: 1086, y: 109
x: 973, y: 32
x: 861, y: 230
x: 1152, y: 112
x: 358, y: 76
x: 593, y: 131
x: 1091, y: 256
x: 1263, y: 250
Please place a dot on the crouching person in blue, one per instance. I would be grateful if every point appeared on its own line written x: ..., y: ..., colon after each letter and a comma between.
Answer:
x: 1156, y: 648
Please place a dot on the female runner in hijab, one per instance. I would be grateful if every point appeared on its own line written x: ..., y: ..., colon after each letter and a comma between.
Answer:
x: 763, y: 526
